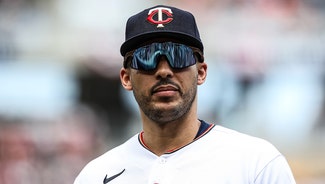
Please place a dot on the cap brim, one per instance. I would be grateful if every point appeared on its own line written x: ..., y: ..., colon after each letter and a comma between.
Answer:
x: 139, y: 40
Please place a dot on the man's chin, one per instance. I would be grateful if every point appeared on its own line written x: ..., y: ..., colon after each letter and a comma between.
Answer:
x: 165, y: 115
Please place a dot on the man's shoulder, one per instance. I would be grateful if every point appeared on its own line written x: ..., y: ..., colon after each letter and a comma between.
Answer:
x: 116, y: 152
x: 237, y: 140
x: 109, y: 161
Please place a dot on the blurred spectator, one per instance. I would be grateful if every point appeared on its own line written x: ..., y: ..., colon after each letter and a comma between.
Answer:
x: 49, y: 151
x: 17, y: 156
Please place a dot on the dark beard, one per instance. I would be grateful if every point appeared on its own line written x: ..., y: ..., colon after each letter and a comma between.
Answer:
x: 162, y: 116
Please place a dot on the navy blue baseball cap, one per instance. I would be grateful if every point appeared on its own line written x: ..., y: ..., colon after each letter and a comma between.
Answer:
x: 161, y: 22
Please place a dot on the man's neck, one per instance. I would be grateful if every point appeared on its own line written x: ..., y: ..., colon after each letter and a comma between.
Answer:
x: 164, y: 138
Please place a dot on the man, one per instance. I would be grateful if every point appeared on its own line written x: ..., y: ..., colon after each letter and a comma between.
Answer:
x: 163, y: 65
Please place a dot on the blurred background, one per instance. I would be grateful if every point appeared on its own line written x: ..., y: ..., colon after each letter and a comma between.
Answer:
x: 61, y: 102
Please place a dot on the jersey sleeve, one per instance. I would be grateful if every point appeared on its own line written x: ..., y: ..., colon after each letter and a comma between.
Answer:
x: 76, y: 181
x: 277, y: 171
x: 81, y: 179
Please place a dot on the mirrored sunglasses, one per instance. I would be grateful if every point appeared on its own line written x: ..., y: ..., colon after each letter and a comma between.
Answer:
x: 146, y: 58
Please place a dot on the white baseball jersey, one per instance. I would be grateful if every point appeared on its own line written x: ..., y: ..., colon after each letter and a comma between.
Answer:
x: 218, y: 156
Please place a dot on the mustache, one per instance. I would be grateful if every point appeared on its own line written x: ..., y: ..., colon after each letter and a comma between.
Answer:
x: 162, y: 82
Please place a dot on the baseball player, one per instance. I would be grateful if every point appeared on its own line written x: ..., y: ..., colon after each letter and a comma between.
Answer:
x: 163, y: 66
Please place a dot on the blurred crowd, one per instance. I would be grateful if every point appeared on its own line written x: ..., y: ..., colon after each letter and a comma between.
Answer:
x: 48, y: 152
x: 61, y: 103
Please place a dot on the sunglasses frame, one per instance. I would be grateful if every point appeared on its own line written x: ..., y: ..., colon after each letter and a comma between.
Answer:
x: 197, y: 54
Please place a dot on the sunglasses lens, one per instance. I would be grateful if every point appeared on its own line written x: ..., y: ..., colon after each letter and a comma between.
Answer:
x: 178, y: 55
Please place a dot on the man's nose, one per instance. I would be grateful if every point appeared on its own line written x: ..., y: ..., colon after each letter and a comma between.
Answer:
x: 163, y: 68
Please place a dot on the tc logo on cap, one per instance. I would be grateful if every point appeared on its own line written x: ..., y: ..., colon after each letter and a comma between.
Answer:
x: 160, y: 11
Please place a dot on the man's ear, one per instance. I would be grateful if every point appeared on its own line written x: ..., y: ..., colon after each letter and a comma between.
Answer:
x: 126, y: 79
x: 202, y: 72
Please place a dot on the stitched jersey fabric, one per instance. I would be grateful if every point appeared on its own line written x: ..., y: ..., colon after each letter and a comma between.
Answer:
x: 220, y: 156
